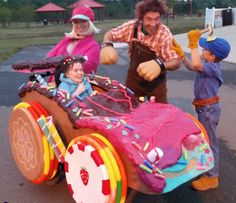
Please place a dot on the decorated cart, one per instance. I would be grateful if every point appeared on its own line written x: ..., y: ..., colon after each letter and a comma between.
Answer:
x: 104, y: 143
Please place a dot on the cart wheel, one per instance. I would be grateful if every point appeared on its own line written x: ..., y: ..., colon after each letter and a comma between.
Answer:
x: 59, y: 176
x: 117, y: 165
x: 86, y: 174
x: 28, y: 148
x: 54, y: 170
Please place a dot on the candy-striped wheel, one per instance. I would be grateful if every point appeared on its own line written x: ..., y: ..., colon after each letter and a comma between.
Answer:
x: 121, y: 176
x: 107, y: 161
x: 86, y: 174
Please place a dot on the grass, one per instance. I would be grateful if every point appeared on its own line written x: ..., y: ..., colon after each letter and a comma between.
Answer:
x: 16, y: 37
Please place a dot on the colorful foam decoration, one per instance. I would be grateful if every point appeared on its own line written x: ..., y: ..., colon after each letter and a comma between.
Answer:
x: 53, y: 137
x: 53, y: 159
x: 106, y: 159
x: 57, y: 139
x: 46, y: 124
x: 114, y: 165
x: 119, y: 162
x: 200, y: 126
x: 191, y: 163
x: 191, y: 141
x: 29, y: 146
x: 86, y: 174
x: 160, y: 140
x: 154, y: 155
x: 49, y: 161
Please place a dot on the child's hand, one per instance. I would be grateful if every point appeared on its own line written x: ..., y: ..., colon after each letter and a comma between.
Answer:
x: 94, y: 93
x: 193, y: 38
x: 80, y: 89
x: 177, y: 48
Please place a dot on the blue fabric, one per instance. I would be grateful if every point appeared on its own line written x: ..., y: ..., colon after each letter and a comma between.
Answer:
x: 208, y: 81
x: 70, y: 86
x: 207, y: 84
x: 219, y: 47
x: 209, y: 117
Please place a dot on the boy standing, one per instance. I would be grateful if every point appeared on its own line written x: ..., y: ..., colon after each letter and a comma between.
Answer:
x: 208, y: 80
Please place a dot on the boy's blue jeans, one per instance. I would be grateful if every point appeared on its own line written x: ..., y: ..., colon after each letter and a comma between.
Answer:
x: 209, y: 116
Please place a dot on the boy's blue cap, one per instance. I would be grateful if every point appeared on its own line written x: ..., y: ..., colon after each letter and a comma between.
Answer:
x: 218, y: 46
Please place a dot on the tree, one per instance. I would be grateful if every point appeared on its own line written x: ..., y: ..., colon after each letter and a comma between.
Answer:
x: 5, y: 16
x: 25, y: 14
x: 119, y: 9
x: 219, y: 3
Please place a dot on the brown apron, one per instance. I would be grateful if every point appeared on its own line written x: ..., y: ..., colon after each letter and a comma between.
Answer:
x: 141, y: 87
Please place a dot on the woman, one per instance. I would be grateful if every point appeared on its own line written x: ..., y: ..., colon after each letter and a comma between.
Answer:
x: 80, y: 41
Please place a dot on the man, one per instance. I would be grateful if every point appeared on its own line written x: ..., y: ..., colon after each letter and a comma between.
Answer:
x: 150, y: 50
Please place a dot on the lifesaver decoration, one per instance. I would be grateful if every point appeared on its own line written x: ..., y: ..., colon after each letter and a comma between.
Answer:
x: 111, y: 161
x: 86, y: 174
x: 118, y: 165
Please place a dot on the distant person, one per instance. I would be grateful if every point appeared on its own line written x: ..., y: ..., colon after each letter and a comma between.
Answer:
x: 72, y: 79
x: 208, y: 80
x: 150, y: 50
x: 80, y: 41
x: 45, y: 22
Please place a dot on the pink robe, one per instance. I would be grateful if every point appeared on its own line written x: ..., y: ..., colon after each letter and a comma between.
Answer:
x: 85, y: 47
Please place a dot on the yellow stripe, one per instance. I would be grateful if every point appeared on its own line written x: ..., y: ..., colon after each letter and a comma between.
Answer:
x: 21, y: 105
x: 46, y: 156
x: 113, y: 163
x: 121, y: 169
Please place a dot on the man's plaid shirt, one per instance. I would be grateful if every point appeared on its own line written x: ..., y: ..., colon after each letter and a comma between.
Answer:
x: 160, y: 42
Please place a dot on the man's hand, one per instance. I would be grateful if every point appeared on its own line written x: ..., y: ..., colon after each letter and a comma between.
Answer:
x: 108, y: 55
x: 177, y: 48
x: 193, y: 38
x: 149, y: 70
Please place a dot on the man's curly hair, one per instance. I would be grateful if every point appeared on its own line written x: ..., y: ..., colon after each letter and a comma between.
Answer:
x: 145, y: 6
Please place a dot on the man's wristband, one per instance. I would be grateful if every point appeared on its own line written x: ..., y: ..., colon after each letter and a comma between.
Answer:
x: 104, y: 44
x: 160, y: 63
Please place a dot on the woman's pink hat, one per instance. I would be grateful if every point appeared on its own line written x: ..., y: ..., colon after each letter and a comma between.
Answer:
x: 83, y: 13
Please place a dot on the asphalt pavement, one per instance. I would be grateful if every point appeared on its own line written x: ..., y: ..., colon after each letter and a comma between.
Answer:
x: 14, y: 188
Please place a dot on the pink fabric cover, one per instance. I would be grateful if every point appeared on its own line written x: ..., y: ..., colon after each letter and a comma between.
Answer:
x: 162, y: 125
x: 119, y: 116
x: 85, y: 47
